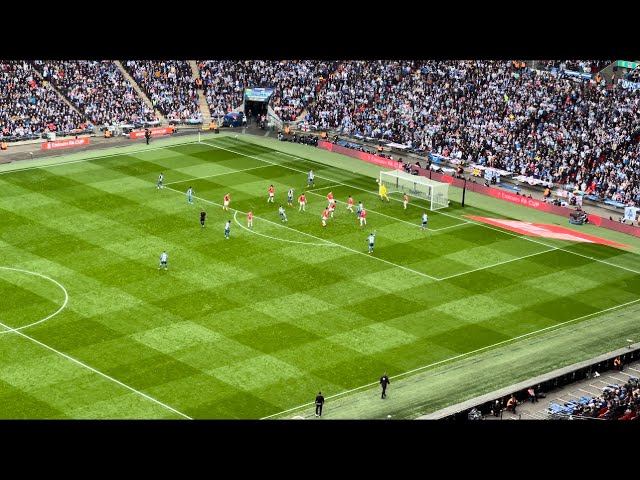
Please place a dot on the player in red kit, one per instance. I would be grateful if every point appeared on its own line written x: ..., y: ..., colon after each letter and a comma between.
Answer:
x: 405, y: 202
x: 226, y: 202
x: 330, y: 197
x: 250, y: 219
x: 271, y: 194
x: 332, y: 207
x: 325, y: 215
x: 363, y: 217
x: 302, y: 200
x: 350, y: 204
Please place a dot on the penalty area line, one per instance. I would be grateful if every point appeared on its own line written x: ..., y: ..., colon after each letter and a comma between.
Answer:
x: 250, y: 230
x: 317, y: 238
x: 504, y: 231
x: 496, y: 264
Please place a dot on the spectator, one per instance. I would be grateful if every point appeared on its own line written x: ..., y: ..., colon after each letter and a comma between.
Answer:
x: 98, y: 90
x: 30, y: 106
x: 169, y: 86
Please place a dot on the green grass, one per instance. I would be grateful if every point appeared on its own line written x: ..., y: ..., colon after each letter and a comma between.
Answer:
x: 254, y: 326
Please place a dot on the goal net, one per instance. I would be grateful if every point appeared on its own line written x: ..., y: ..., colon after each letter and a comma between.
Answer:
x: 437, y: 193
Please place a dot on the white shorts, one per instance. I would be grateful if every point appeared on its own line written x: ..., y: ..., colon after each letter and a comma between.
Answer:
x: 226, y: 203
x: 271, y: 195
x: 302, y: 204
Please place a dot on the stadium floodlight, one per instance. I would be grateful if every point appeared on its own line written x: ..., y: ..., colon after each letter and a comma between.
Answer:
x: 398, y: 181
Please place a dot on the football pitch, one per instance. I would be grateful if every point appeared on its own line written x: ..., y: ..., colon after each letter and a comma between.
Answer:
x: 253, y: 326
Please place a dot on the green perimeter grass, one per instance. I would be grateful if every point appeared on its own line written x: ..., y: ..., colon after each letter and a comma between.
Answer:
x: 253, y: 326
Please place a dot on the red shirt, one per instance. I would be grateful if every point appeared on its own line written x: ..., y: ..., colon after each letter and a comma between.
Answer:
x: 302, y: 199
x: 406, y: 198
x: 270, y: 190
x: 226, y: 198
x: 325, y: 214
x: 250, y: 216
x: 330, y: 197
x: 363, y: 214
x: 350, y: 201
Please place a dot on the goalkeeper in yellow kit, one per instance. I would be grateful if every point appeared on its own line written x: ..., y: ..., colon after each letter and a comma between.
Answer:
x: 382, y: 191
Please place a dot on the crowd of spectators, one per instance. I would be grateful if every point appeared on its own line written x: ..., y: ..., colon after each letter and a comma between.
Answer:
x: 566, y: 131
x: 30, y: 106
x: 617, y: 402
x: 98, y: 89
x: 170, y: 86
x: 573, y: 132
x: 583, y: 66
x: 295, y: 83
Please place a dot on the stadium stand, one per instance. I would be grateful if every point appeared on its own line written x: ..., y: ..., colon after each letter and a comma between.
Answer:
x: 561, y: 130
x: 170, y: 87
x: 31, y: 107
x: 535, y: 124
x: 296, y: 83
x: 98, y: 90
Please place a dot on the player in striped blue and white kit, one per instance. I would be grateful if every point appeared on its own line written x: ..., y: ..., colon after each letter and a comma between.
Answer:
x: 359, y: 211
x: 189, y: 195
x: 312, y: 178
x: 163, y: 261
x: 425, y: 218
x: 290, y: 197
x: 282, y: 214
x: 160, y: 178
x: 227, y: 229
x: 371, y: 239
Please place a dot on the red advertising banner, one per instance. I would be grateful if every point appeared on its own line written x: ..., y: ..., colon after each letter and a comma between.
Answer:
x: 155, y: 132
x: 72, y: 142
x: 367, y: 157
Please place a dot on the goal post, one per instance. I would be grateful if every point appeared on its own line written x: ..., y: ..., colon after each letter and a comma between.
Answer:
x: 437, y: 193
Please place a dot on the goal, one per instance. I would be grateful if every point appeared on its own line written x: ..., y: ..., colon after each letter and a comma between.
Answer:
x: 437, y: 193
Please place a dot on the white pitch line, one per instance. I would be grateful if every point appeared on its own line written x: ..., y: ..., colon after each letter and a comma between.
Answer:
x: 337, y: 183
x: 635, y: 370
x: 456, y: 357
x: 235, y: 217
x: 99, y: 372
x: 217, y: 175
x: 108, y: 155
x: 323, y: 188
x: 523, y: 237
x: 64, y: 304
x: 623, y: 380
x: 377, y: 213
x: 441, y: 213
x: 496, y: 264
x: 317, y: 238
x: 450, y: 226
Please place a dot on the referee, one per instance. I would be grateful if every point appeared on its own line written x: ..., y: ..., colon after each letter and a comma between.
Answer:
x: 384, y: 381
x: 319, y: 404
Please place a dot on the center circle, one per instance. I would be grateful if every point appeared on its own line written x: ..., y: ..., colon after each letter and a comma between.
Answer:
x: 64, y: 304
